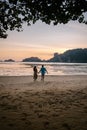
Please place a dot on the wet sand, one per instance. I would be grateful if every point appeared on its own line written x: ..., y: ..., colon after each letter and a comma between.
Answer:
x: 58, y: 103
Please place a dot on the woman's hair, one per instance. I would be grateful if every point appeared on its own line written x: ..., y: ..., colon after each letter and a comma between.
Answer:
x: 34, y: 68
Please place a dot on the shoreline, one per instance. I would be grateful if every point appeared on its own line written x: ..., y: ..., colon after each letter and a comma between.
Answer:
x: 60, y: 102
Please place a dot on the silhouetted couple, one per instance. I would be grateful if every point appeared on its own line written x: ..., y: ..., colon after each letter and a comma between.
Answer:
x: 42, y: 71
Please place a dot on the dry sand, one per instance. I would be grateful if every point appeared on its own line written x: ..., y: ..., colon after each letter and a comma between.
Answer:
x: 58, y: 103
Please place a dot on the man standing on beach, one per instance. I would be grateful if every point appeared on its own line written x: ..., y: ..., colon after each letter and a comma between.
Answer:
x: 43, y: 71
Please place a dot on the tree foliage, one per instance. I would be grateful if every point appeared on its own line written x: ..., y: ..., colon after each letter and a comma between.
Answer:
x: 14, y: 12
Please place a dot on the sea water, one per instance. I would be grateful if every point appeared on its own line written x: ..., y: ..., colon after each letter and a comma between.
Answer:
x: 26, y: 68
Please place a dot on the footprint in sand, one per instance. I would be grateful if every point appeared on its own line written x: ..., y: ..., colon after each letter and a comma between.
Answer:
x: 66, y: 126
x: 46, y: 124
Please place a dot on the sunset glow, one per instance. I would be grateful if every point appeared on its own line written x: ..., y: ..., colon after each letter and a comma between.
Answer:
x: 41, y: 40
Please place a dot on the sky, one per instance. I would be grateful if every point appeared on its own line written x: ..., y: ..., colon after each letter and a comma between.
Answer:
x: 42, y: 40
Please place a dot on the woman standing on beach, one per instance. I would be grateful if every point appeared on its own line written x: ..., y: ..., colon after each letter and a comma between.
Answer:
x: 35, y: 73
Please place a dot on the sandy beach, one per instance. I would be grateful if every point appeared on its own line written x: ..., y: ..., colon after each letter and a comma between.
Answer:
x: 58, y: 103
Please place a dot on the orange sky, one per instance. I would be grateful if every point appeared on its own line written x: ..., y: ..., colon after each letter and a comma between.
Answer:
x: 41, y: 40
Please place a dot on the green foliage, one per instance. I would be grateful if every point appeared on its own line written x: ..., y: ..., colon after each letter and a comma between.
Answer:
x: 14, y: 12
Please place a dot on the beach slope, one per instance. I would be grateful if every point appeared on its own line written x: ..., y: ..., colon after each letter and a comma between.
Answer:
x: 58, y: 103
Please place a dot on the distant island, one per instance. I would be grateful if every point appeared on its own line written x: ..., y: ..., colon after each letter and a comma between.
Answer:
x: 32, y: 59
x: 69, y: 56
x: 9, y: 60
